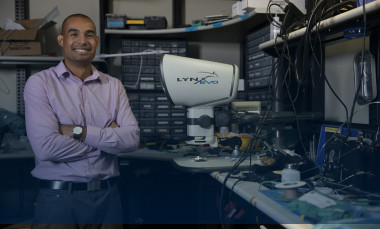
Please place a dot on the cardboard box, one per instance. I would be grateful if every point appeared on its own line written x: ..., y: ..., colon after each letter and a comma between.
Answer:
x: 28, y: 42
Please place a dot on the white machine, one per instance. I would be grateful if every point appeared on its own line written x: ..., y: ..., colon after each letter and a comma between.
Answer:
x: 199, y: 85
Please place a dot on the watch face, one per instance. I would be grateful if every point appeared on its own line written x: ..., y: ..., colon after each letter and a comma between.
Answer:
x: 77, y: 130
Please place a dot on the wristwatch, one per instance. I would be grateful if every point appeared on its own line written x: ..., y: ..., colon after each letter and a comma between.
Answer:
x: 77, y: 131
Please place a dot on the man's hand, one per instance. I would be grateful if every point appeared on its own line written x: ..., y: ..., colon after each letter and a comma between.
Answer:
x: 113, y: 125
x: 66, y: 130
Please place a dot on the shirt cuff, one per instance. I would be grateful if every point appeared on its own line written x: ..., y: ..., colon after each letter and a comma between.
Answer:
x: 92, y: 136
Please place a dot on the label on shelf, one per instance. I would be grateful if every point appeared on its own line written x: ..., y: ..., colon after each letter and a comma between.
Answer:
x: 218, y: 24
x: 190, y: 29
x: 244, y: 16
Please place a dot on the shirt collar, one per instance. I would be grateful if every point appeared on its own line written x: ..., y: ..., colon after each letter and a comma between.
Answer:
x: 63, y: 71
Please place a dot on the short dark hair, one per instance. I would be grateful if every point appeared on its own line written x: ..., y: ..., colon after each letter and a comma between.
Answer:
x: 74, y: 15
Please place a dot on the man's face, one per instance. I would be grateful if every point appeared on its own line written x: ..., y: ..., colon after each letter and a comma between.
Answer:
x: 78, y: 40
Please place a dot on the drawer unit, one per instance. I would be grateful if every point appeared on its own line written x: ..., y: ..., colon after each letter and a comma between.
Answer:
x: 178, y: 122
x: 178, y: 114
x: 147, y: 98
x: 258, y: 66
x: 162, y: 114
x: 179, y: 130
x: 147, y: 65
x: 162, y: 122
x: 162, y: 130
x: 147, y: 122
x: 259, y: 82
x: 149, y: 103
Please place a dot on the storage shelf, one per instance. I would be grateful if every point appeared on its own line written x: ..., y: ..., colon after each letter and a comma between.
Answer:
x: 372, y: 10
x: 233, y: 30
x: 34, y: 59
x: 44, y: 60
x: 28, y: 59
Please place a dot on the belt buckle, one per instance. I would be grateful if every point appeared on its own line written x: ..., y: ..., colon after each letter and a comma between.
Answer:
x: 94, y: 185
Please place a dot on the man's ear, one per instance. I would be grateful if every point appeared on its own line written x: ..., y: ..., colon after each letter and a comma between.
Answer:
x: 60, y: 40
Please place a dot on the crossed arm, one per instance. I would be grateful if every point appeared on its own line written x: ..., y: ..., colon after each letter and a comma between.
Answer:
x: 52, y: 141
x: 68, y: 130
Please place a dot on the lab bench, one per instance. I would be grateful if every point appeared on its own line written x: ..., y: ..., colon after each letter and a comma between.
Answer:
x: 169, y: 187
x: 151, y: 189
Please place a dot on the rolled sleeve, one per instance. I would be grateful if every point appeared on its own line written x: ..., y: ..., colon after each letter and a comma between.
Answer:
x: 93, y: 136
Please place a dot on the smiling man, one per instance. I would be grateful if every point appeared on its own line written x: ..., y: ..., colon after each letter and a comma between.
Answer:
x: 79, y: 42
x: 78, y: 119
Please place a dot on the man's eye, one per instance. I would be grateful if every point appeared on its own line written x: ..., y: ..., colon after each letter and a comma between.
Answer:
x: 73, y: 34
x: 90, y: 35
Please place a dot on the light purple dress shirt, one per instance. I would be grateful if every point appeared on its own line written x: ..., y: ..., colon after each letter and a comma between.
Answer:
x: 55, y: 96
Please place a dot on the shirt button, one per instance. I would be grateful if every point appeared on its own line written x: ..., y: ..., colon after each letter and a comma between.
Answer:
x: 91, y: 166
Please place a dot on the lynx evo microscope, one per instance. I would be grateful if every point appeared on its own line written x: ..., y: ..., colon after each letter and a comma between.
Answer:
x: 199, y: 85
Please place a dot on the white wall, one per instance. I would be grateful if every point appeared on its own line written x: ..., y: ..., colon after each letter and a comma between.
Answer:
x: 221, y: 52
x: 198, y: 9
x: 194, y: 9
x: 40, y: 8
x: 139, y: 8
x: 340, y: 73
x: 7, y: 10
x: 228, y: 53
x: 8, y: 89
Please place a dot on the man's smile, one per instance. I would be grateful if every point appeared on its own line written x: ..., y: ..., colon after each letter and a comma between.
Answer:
x: 82, y: 50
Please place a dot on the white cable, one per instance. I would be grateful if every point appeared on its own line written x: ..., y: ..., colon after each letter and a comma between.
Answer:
x: 132, y: 54
x: 145, y: 52
x: 138, y: 77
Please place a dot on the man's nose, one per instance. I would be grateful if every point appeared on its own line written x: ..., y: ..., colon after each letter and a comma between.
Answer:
x: 82, y: 38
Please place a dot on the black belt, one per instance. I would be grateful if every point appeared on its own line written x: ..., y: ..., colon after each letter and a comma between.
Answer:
x: 77, y: 186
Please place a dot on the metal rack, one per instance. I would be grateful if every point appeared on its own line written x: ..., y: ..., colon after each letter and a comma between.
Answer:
x: 22, y: 66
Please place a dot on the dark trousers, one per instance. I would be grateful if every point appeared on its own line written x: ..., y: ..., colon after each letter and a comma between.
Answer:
x: 78, y: 207
x: 77, y: 226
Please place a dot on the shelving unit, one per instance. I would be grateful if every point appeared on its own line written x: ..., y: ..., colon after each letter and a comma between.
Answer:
x: 258, y: 67
x: 233, y: 30
x: 44, y: 60
x: 156, y: 116
x: 22, y: 66
x: 331, y: 32
x: 332, y: 28
x: 230, y: 31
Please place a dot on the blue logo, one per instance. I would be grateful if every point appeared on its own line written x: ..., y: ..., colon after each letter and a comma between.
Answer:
x: 208, y: 75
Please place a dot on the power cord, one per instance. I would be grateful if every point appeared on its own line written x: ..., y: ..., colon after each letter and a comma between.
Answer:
x: 141, y: 54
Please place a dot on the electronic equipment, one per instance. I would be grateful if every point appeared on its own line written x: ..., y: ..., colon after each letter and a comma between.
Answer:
x: 262, y: 6
x: 327, y: 144
x: 155, y: 22
x: 115, y: 21
x: 246, y: 107
x: 200, y: 85
x: 148, y: 22
x: 349, y: 160
x: 354, y: 32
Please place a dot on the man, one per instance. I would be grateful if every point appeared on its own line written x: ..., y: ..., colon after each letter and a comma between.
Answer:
x: 78, y: 119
